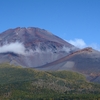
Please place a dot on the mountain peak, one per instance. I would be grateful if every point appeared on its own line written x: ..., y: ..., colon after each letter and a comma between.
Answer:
x: 31, y: 35
x: 31, y: 29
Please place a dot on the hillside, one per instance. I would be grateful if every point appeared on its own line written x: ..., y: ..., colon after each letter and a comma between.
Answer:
x: 17, y: 83
x: 85, y: 61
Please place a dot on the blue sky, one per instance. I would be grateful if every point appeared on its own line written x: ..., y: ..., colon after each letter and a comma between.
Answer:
x: 77, y: 21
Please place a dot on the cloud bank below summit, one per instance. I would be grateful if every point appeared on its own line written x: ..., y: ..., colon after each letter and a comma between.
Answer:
x: 19, y: 48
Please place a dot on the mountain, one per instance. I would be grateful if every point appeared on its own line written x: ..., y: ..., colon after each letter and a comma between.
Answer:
x: 37, y: 48
x: 85, y: 61
x: 32, y: 47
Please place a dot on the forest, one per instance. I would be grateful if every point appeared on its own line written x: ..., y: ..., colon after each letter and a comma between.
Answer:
x: 17, y: 83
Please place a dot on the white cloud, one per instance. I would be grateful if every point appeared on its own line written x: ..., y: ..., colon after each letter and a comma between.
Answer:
x: 19, y: 48
x: 80, y: 43
x: 13, y: 47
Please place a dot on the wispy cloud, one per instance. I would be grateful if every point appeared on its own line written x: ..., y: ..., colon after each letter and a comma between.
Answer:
x: 19, y: 48
x: 80, y: 43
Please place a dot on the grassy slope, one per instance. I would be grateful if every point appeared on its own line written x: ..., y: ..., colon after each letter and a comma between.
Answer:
x: 18, y: 83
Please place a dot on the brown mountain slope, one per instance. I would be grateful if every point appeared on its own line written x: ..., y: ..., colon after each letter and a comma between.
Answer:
x: 85, y: 61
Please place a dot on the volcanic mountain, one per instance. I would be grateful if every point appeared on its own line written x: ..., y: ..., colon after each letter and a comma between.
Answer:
x: 32, y: 47
x: 40, y: 49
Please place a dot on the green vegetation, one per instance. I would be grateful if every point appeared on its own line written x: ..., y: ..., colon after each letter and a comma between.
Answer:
x: 17, y: 83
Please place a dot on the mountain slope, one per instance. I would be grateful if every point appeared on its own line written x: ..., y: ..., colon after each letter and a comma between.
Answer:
x: 37, y: 47
x: 85, y: 61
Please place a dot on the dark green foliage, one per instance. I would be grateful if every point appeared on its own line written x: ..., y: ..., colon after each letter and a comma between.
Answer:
x: 18, y: 83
